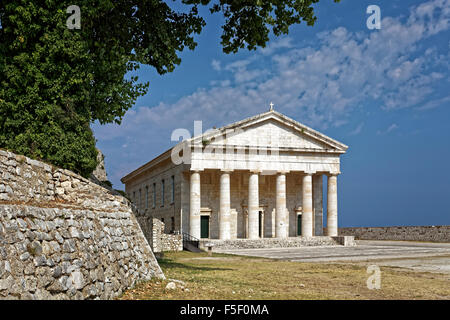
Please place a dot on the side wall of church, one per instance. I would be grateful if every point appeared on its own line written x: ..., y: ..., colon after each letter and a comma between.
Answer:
x: 147, y: 194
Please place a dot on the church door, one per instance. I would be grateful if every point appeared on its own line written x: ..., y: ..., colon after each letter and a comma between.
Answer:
x: 260, y: 227
x: 204, y: 227
x: 299, y: 224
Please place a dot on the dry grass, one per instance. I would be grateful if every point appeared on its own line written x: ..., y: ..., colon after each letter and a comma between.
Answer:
x: 232, y: 277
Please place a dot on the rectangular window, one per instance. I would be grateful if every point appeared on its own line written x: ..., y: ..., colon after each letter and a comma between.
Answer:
x: 172, y: 197
x: 146, y: 197
x: 134, y: 197
x: 140, y: 199
x: 162, y: 193
x: 154, y: 195
x: 172, y: 224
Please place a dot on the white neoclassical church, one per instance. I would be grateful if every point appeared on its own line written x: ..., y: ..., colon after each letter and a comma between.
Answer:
x: 261, y: 177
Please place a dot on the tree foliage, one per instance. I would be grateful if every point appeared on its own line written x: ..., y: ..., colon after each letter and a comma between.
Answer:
x: 54, y: 81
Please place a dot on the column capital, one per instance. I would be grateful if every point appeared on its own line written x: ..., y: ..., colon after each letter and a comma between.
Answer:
x: 256, y: 171
x: 195, y: 170
x: 309, y: 173
x: 283, y: 172
x: 226, y: 170
x: 319, y: 174
x: 333, y: 174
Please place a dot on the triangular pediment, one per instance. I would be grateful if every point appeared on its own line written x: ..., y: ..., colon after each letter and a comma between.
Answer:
x: 271, y: 130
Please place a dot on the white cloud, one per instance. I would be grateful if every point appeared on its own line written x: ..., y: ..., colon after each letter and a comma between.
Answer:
x: 357, y: 130
x: 274, y: 45
x: 391, y: 128
x: 216, y: 65
x: 435, y: 103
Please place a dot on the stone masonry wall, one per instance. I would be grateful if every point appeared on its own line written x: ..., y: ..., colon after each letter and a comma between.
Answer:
x: 164, y: 241
x: 411, y: 233
x: 291, y: 242
x: 64, y: 237
x: 154, y: 231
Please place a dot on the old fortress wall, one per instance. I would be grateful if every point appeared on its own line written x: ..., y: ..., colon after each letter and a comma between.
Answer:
x: 64, y: 237
x: 407, y: 233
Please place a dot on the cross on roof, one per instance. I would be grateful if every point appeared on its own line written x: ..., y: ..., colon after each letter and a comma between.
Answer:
x: 271, y: 106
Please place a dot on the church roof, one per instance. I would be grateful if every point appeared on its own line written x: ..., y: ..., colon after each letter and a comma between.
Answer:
x: 277, y: 116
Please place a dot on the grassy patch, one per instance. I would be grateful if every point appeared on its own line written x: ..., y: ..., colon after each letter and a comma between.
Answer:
x: 233, y: 277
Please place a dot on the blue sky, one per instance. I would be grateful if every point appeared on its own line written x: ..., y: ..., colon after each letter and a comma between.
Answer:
x: 385, y: 93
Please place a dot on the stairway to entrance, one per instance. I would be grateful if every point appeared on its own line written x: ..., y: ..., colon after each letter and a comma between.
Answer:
x: 190, y: 243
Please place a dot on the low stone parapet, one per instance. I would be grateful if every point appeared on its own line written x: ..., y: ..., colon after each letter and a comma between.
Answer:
x: 346, y: 241
x: 218, y: 244
x: 405, y: 233
x: 154, y: 231
x: 161, y: 241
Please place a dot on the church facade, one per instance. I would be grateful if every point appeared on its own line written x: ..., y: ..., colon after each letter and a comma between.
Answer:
x: 261, y: 177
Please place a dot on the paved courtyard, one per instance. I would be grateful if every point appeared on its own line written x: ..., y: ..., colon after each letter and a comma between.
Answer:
x: 417, y: 256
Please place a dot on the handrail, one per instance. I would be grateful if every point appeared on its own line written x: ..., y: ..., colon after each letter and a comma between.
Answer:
x: 187, y: 238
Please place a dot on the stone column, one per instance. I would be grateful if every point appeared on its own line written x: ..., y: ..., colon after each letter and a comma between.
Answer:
x: 281, y: 227
x: 194, y: 210
x: 318, y: 204
x: 253, y: 206
x: 224, y: 210
x: 307, y: 206
x: 332, y: 223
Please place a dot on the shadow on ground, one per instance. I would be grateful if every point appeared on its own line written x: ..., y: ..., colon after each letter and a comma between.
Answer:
x: 170, y: 264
